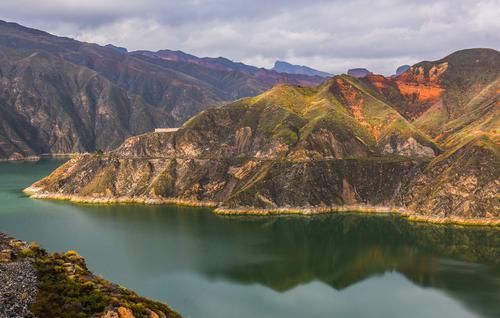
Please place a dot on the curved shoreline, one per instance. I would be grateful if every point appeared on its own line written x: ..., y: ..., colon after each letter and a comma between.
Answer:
x: 374, y: 210
x: 55, y: 155
x: 36, y: 193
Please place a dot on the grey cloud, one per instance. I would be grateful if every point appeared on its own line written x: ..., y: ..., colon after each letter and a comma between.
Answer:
x: 329, y: 35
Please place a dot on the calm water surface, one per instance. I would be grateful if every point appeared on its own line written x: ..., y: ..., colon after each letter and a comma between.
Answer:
x: 208, y: 266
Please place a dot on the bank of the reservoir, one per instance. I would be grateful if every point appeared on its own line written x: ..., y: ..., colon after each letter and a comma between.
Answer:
x: 37, y: 193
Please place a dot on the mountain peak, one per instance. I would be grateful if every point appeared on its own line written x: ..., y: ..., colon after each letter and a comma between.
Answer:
x: 358, y: 72
x: 117, y: 48
x: 484, y: 57
x: 285, y: 67
x: 401, y: 69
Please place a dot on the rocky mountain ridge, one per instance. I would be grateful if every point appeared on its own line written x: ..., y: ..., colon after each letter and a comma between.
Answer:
x: 347, y: 143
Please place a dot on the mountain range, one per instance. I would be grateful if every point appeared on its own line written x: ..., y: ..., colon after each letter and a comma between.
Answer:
x: 285, y: 67
x: 59, y: 95
x: 425, y: 142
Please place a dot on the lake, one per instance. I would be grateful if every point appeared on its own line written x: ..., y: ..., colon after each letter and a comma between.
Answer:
x: 203, y: 265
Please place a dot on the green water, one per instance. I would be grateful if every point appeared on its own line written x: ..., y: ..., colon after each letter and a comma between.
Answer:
x: 208, y: 266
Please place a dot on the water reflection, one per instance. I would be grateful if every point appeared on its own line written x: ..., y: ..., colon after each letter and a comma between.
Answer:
x: 284, y: 252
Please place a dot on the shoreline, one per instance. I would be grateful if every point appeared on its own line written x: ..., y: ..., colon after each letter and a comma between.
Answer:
x: 35, y: 193
x: 29, y: 158
x: 55, y: 155
x: 363, y: 209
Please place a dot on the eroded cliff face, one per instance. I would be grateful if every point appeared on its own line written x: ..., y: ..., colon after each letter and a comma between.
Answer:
x: 233, y: 183
x: 157, y: 168
x: 463, y: 182
x: 439, y: 96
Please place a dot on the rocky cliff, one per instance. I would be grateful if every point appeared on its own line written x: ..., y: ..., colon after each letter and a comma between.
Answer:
x: 455, y: 101
x: 343, y: 143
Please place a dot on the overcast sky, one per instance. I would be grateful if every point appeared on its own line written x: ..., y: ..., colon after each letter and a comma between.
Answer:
x: 329, y: 35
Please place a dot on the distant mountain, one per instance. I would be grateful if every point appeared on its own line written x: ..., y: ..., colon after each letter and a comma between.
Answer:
x: 117, y: 48
x: 403, y: 68
x: 59, y: 95
x: 426, y: 141
x: 233, y: 79
x: 285, y: 67
x: 358, y: 72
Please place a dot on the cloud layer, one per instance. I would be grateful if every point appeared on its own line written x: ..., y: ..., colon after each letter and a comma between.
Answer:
x: 329, y: 35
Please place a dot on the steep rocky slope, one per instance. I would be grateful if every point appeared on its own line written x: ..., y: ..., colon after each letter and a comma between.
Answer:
x: 464, y: 181
x: 344, y: 143
x: 455, y: 100
x: 435, y: 94
x: 58, y: 95
x: 38, y: 284
x: 48, y: 105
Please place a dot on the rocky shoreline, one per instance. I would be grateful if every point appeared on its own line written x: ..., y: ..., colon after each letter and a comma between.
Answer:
x: 373, y: 210
x: 38, y: 193
x: 34, y: 283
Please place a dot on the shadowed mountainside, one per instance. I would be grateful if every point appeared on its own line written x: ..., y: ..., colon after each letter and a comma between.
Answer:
x: 58, y: 95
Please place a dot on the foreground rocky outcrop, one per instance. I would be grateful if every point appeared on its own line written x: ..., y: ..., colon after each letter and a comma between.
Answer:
x: 34, y: 283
